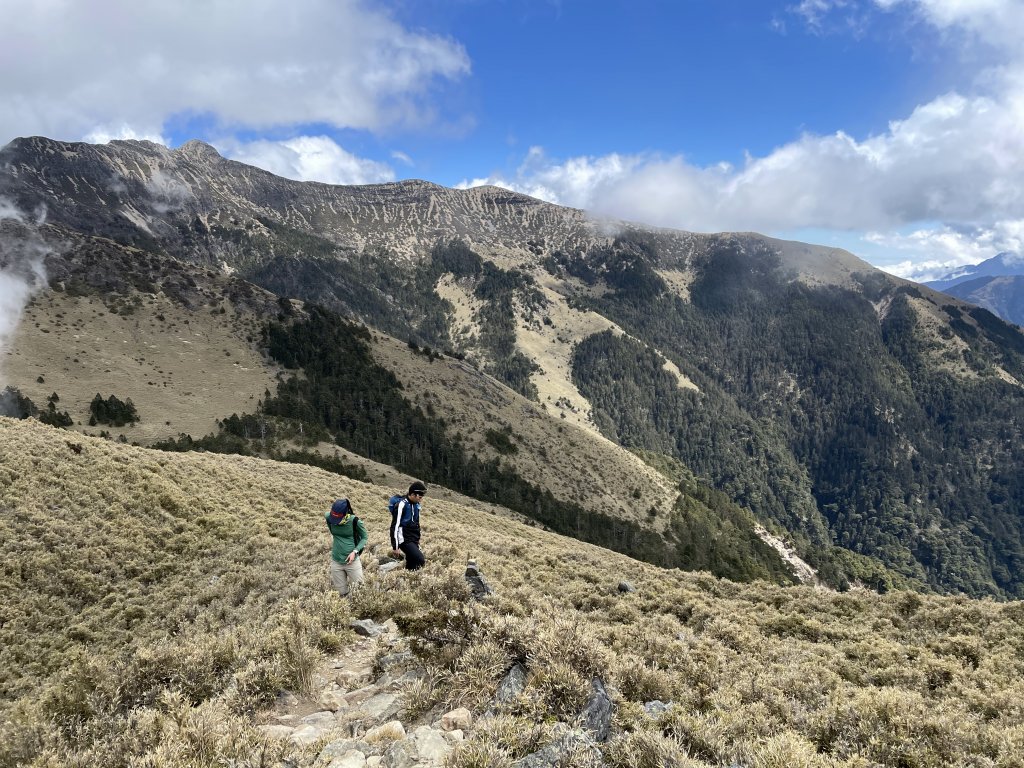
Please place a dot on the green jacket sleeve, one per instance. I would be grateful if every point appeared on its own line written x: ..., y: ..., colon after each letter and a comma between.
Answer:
x: 360, y: 535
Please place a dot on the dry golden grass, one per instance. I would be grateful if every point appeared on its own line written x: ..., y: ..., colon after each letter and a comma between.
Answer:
x: 151, y: 602
x: 182, y: 369
x: 574, y: 463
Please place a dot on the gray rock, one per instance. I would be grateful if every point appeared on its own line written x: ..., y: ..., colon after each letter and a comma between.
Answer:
x: 578, y: 744
x: 351, y: 759
x: 391, y: 565
x: 366, y: 627
x: 511, y: 685
x: 401, y: 754
x: 394, y: 661
x: 657, y: 708
x: 276, y: 731
x: 343, y: 746
x: 625, y: 587
x: 460, y: 719
x: 376, y: 709
x: 477, y: 585
x: 596, y: 716
x: 431, y: 746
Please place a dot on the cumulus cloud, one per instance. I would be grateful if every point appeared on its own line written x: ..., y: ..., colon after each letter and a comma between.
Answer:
x: 310, y: 158
x: 954, y: 160
x: 952, y: 170
x: 993, y: 22
x: 115, y: 69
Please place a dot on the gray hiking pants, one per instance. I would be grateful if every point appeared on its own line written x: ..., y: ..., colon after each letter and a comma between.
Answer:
x: 345, y: 577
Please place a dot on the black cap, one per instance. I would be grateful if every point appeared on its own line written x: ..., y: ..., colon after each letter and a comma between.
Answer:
x: 417, y: 487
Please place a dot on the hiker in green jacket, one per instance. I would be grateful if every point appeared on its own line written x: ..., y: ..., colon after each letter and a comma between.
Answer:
x: 350, y: 538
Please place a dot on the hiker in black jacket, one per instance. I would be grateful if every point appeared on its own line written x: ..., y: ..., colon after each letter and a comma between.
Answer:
x: 405, y: 526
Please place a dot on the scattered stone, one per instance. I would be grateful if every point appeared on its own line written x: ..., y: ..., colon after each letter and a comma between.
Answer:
x: 359, y: 696
x: 458, y: 719
x: 314, y: 727
x: 393, y: 661
x: 276, y: 731
x: 475, y: 579
x: 576, y: 746
x: 366, y: 627
x: 391, y: 683
x: 455, y: 736
x: 401, y: 754
x: 511, y: 686
x: 333, y: 700
x: 388, y: 567
x: 374, y: 761
x: 625, y: 587
x: 320, y: 718
x: 596, y: 716
x: 354, y: 676
x: 657, y: 708
x: 377, y: 709
x: 351, y: 759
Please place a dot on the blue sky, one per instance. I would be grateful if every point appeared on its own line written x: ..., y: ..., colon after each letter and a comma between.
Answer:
x: 893, y: 128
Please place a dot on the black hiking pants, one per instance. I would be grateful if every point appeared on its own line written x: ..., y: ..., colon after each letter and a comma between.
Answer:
x: 414, y: 559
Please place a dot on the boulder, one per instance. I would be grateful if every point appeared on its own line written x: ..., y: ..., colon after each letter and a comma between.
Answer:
x: 366, y: 627
x: 477, y: 585
x: 657, y: 708
x: 460, y: 719
x: 376, y: 709
x: 431, y: 746
x: 625, y: 587
x: 351, y: 759
x: 510, y: 686
x: 596, y: 716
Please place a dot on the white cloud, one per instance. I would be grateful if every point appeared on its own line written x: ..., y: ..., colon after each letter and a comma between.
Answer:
x: 999, y: 23
x: 951, y: 172
x: 952, y: 160
x: 931, y: 253
x: 107, y: 68
x: 309, y: 158
x: 104, y: 134
x: 22, y: 251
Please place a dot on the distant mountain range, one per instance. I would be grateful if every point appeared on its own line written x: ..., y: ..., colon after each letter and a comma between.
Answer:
x: 997, y: 284
x: 655, y: 391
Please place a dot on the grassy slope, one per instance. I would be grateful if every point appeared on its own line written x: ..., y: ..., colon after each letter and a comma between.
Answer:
x: 574, y: 463
x: 185, y: 368
x: 183, y: 573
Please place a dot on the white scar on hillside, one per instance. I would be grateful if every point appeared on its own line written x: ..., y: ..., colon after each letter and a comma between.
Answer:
x: 22, y: 274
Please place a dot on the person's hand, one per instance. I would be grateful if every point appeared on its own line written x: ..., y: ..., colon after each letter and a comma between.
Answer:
x: 351, y: 556
x: 396, y: 553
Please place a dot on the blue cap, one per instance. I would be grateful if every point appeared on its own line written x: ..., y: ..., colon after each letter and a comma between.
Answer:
x: 339, y: 509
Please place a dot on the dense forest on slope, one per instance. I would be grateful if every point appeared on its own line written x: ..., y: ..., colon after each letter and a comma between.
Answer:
x: 807, y: 390
x: 402, y: 300
x: 343, y: 392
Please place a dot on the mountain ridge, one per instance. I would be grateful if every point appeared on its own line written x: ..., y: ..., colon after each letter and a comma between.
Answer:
x: 823, y: 389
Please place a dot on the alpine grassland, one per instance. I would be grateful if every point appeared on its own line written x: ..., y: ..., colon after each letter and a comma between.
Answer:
x: 152, y: 604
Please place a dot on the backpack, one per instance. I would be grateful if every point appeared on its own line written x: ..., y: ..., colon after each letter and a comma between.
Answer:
x: 393, y: 505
